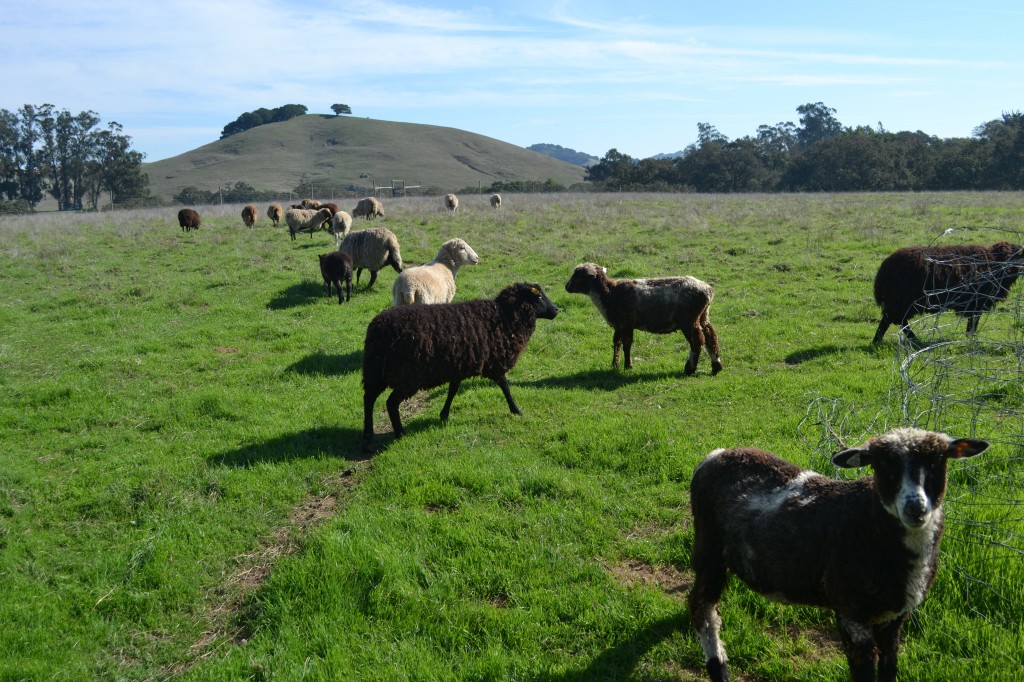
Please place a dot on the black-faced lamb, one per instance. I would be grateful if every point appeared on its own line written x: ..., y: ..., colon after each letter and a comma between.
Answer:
x: 866, y: 549
x: 336, y: 267
x: 250, y: 214
x: 372, y: 249
x: 416, y: 347
x: 660, y: 306
x: 276, y: 213
x: 369, y: 208
x: 434, y: 282
x: 306, y: 220
x: 495, y: 201
x: 188, y: 219
x: 967, y: 278
x: 451, y: 202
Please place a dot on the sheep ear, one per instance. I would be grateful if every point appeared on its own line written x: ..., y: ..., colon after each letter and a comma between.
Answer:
x: 852, y: 458
x: 966, y: 447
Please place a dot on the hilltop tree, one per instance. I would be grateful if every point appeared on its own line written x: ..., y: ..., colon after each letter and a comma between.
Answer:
x: 340, y: 109
x: 262, y: 116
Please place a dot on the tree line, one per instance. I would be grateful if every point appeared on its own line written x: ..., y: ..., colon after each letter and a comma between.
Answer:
x: 44, y: 150
x: 821, y: 155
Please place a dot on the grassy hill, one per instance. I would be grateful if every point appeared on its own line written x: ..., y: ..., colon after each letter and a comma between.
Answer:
x: 341, y: 151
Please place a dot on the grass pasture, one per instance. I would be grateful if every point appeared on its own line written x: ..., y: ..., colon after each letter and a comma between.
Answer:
x: 182, y: 493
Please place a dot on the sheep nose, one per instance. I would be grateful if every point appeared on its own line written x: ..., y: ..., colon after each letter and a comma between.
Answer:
x: 915, y: 512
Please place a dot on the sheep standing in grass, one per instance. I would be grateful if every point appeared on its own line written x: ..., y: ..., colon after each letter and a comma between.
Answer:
x: 188, y: 219
x: 309, y: 204
x: 411, y: 348
x: 867, y: 549
x: 451, y: 202
x: 660, y: 306
x: 372, y: 249
x: 369, y: 208
x: 306, y: 220
x: 495, y: 201
x: 336, y: 267
x: 250, y: 214
x: 967, y: 278
x: 341, y: 225
x: 276, y: 213
x: 434, y: 282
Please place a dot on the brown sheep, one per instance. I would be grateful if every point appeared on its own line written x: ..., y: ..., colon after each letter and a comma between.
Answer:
x: 188, y: 219
x: 250, y: 214
x: 276, y: 213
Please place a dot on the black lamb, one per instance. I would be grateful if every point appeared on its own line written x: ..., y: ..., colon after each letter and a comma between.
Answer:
x: 415, y: 347
x: 967, y: 278
x: 336, y: 267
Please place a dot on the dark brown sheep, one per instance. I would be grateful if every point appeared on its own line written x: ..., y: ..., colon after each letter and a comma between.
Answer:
x: 250, y: 214
x: 867, y: 549
x: 188, y: 219
x: 660, y: 306
x: 415, y: 347
x: 967, y: 278
x: 336, y: 267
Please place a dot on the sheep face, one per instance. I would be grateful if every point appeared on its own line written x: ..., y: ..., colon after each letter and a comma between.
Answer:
x: 585, y: 278
x: 910, y: 470
x: 458, y: 252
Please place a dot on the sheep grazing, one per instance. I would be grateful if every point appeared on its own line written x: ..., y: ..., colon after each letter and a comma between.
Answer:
x: 250, y: 214
x: 660, y: 306
x: 434, y: 282
x: 340, y: 225
x: 372, y: 249
x: 306, y: 220
x: 451, y: 202
x: 276, y: 213
x: 967, y: 278
x: 495, y: 201
x: 411, y: 348
x: 369, y: 208
x: 308, y: 204
x: 188, y: 219
x: 867, y: 549
x: 336, y: 267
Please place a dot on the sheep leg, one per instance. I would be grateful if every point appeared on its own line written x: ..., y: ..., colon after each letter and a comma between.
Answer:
x: 370, y: 395
x: 627, y: 348
x: 337, y: 285
x: 972, y: 323
x: 696, y: 339
x: 859, y: 646
x: 453, y: 388
x: 887, y: 640
x: 710, y: 579
x: 373, y: 278
x: 348, y: 288
x: 616, y: 346
x: 359, y: 271
x: 503, y: 383
x: 393, y: 401
x: 883, y: 325
x: 711, y: 345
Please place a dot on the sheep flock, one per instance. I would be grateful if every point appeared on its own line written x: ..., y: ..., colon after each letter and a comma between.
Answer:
x: 866, y: 549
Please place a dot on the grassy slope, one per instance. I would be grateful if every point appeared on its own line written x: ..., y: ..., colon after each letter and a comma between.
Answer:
x: 176, y: 403
x: 335, y: 150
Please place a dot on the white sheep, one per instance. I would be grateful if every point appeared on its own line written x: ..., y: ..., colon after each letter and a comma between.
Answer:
x: 434, y: 282
x: 451, y: 202
x: 372, y: 249
x: 340, y: 226
x: 495, y: 201
x: 306, y: 220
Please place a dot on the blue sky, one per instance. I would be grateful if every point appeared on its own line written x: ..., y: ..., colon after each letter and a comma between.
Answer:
x: 588, y: 75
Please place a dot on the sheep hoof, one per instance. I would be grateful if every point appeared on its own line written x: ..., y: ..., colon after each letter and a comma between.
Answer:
x: 716, y: 367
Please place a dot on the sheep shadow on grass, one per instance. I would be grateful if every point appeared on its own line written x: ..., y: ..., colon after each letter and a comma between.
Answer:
x: 608, y: 379
x: 621, y: 660
x: 801, y: 356
x: 328, y: 364
x: 331, y: 441
x: 303, y: 293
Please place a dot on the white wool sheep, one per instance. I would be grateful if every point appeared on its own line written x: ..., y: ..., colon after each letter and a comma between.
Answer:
x: 340, y: 226
x: 495, y: 201
x: 372, y: 249
x: 434, y: 282
x: 306, y: 220
x: 451, y: 202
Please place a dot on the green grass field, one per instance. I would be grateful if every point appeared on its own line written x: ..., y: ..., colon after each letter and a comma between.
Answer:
x: 182, y: 493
